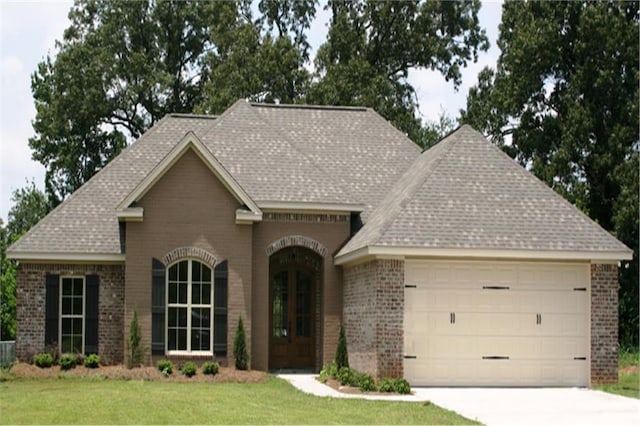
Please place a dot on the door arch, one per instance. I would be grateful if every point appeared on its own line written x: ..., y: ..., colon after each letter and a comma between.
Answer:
x: 295, y: 277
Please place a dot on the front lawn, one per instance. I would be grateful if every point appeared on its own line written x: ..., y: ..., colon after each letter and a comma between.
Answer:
x: 72, y: 400
x: 628, y: 376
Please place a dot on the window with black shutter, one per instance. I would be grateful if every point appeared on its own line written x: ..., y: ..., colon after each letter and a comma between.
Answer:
x: 158, y: 307
x: 220, y: 293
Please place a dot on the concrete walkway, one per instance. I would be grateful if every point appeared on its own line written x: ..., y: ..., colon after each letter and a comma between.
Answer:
x: 508, y: 406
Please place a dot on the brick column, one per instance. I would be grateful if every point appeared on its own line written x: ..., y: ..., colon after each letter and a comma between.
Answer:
x: 604, y: 324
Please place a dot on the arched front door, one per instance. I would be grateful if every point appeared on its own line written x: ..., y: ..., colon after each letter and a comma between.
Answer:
x: 294, y: 279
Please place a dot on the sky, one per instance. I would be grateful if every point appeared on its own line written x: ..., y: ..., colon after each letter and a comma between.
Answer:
x: 29, y: 30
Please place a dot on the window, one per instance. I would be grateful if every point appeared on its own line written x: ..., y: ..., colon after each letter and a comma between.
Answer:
x: 189, y: 307
x: 72, y: 311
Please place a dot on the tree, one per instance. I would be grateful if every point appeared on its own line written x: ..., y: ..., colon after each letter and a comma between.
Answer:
x: 29, y: 206
x: 121, y: 66
x: 372, y: 46
x: 563, y: 101
x: 135, y: 355
x: 240, y: 354
x: 342, y: 355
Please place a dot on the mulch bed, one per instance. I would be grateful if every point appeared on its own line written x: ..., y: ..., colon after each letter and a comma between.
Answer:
x: 120, y: 372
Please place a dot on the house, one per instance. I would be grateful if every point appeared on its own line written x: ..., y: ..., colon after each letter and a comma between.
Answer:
x: 454, y: 266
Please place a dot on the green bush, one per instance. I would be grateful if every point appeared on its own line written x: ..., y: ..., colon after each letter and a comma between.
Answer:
x: 387, y: 385
x: 366, y: 382
x: 165, y: 366
x: 135, y: 354
x: 240, y: 347
x: 43, y: 360
x: 210, y: 367
x: 329, y: 370
x: 68, y: 361
x: 342, y: 355
x: 401, y: 386
x: 189, y: 369
x: 92, y: 361
x: 347, y: 376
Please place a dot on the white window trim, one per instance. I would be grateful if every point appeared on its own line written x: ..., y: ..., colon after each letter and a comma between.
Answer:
x: 62, y: 316
x: 189, y: 306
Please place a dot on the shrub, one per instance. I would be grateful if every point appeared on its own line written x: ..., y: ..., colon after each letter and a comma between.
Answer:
x: 43, y: 360
x: 210, y: 367
x: 399, y: 385
x: 366, y: 382
x: 347, y: 376
x: 329, y: 370
x: 387, y: 385
x: 189, y: 369
x: 134, y: 354
x: 342, y: 356
x: 240, y: 347
x: 92, y: 361
x: 165, y: 366
x: 68, y: 361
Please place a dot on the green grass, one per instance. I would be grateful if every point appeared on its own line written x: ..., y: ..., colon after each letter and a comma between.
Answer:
x: 99, y: 401
x: 628, y: 382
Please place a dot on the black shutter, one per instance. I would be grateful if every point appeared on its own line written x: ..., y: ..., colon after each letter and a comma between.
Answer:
x: 91, y: 314
x: 52, y: 304
x: 220, y: 308
x: 157, y: 307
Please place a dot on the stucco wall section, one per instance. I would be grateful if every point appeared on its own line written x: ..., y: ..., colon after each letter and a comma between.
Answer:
x: 189, y: 207
x: 373, y: 316
x: 30, y: 307
x: 604, y: 323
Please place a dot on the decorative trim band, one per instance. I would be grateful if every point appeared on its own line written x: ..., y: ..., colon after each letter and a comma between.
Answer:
x: 297, y: 240
x: 305, y: 217
x: 192, y: 252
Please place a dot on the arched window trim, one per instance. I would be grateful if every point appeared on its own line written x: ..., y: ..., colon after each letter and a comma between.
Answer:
x: 189, y: 306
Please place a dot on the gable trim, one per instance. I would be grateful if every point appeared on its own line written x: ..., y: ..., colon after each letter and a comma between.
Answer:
x: 189, y: 141
x: 294, y: 206
x: 371, y: 252
x: 39, y: 257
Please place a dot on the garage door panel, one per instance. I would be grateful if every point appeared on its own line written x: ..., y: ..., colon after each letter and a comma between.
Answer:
x: 533, y: 314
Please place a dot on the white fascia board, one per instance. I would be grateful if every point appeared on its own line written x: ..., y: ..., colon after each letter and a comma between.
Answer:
x: 131, y: 214
x: 365, y: 253
x: 246, y: 217
x: 42, y: 257
x: 189, y: 141
x: 293, y: 206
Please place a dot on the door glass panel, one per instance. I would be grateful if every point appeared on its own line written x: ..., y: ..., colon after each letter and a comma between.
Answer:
x: 303, y: 304
x: 280, y: 304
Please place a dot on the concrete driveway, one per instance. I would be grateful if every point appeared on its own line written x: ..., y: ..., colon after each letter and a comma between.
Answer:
x: 527, y: 406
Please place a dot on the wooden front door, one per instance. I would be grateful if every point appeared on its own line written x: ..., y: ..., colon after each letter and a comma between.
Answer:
x: 292, y: 317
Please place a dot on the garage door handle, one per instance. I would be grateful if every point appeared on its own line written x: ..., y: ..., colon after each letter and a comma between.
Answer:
x: 495, y: 287
x: 452, y: 318
x: 538, y: 319
x: 495, y: 357
x: 410, y: 357
x: 579, y: 358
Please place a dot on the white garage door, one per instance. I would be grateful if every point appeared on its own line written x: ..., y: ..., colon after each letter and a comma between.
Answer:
x: 496, y: 324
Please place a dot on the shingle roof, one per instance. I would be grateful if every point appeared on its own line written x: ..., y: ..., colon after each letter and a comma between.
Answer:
x: 282, y: 153
x: 466, y: 193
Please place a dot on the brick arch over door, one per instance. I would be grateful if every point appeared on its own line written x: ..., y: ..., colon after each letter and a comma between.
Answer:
x: 189, y: 252
x: 297, y: 240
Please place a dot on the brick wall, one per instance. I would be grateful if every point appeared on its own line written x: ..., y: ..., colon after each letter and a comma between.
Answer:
x: 373, y: 314
x: 604, y: 324
x: 30, y: 307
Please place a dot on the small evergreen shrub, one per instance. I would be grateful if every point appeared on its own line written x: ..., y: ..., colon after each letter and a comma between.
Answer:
x: 43, y: 360
x: 329, y: 370
x: 189, y: 369
x: 210, y: 367
x: 68, y: 361
x: 134, y: 353
x: 342, y: 356
x: 240, y: 347
x: 347, y: 376
x: 399, y: 385
x: 92, y: 361
x: 387, y: 385
x: 165, y: 366
x: 366, y: 383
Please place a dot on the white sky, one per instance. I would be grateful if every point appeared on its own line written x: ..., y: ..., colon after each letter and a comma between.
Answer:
x: 28, y: 30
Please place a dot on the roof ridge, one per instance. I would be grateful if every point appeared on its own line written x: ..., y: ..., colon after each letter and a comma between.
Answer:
x: 305, y: 106
x: 191, y: 115
x: 286, y: 138
x: 83, y: 188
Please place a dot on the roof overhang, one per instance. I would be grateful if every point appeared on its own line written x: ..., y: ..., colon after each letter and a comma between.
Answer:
x: 294, y: 206
x: 247, y: 217
x: 372, y: 252
x: 127, y: 212
x: 42, y: 257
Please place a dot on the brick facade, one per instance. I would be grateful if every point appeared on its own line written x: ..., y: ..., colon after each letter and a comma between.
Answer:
x: 373, y: 315
x: 604, y: 324
x: 30, y: 307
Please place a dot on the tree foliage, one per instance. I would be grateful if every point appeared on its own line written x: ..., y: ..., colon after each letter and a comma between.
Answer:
x: 563, y: 101
x: 372, y: 46
x: 342, y: 354
x: 135, y: 352
x: 240, y: 352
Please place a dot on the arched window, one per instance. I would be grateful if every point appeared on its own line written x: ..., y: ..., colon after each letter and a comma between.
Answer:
x: 189, y: 308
